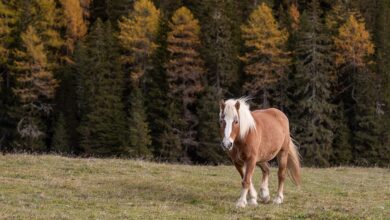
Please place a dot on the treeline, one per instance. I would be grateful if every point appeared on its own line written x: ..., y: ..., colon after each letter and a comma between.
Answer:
x: 143, y: 78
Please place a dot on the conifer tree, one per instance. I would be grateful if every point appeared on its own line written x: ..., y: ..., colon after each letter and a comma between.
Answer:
x: 7, y: 18
x: 209, y: 149
x: 35, y: 85
x: 265, y: 58
x: 100, y: 86
x: 383, y: 68
x: 76, y: 25
x: 140, y: 139
x: 220, y: 37
x: 314, y: 76
x: 60, y: 141
x: 353, y: 47
x: 47, y: 20
x: 185, y: 72
x: 137, y: 37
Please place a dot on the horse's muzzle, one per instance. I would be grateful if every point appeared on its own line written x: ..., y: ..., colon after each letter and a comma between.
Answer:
x: 227, y: 144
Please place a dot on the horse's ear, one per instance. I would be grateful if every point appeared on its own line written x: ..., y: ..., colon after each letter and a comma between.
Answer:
x: 221, y: 105
x: 237, y: 105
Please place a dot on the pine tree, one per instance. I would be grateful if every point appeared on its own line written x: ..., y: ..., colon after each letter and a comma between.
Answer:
x: 185, y: 72
x: 35, y: 85
x: 353, y: 47
x: 60, y: 141
x: 100, y: 86
x: 265, y: 58
x: 314, y: 76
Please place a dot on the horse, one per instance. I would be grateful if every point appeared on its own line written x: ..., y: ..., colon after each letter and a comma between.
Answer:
x: 253, y: 138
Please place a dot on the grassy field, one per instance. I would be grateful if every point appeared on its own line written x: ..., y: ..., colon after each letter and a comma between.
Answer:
x: 53, y: 187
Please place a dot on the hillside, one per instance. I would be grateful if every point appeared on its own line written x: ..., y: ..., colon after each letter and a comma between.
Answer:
x: 54, y: 187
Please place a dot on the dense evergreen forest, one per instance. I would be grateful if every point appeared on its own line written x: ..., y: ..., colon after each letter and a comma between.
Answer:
x: 143, y: 78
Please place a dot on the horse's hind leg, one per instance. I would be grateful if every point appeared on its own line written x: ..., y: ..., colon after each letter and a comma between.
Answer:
x: 264, y: 191
x: 282, y: 161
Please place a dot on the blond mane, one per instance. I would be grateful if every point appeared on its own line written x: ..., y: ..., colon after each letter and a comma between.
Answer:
x: 246, y: 120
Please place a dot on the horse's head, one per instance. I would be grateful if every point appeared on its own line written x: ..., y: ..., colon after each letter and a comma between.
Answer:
x: 229, y: 122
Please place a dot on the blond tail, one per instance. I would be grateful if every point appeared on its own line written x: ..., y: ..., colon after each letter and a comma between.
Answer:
x: 294, y: 164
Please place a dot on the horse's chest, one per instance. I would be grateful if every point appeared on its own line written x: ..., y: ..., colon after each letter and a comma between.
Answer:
x: 239, y: 156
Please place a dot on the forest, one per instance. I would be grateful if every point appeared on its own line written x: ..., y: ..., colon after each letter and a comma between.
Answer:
x: 143, y: 78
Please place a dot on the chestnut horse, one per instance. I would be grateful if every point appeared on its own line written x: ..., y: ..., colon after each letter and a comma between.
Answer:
x: 254, y: 138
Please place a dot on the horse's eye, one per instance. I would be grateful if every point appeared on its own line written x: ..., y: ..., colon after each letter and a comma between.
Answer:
x: 235, y: 121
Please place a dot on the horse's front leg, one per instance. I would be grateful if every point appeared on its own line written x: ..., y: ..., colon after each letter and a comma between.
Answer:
x: 247, y: 186
x: 252, y: 192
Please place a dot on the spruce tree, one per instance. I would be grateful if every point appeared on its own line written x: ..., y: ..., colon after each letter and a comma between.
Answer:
x: 60, y: 140
x: 220, y: 37
x: 209, y: 149
x: 140, y: 139
x: 266, y: 57
x: 35, y: 86
x: 353, y: 48
x: 185, y: 72
x: 100, y: 86
x: 313, y: 96
x: 383, y: 68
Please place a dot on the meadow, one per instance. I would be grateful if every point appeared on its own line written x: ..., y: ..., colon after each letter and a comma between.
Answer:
x: 55, y: 187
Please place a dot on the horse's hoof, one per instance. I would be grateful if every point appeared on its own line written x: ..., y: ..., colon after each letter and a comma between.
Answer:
x: 252, y: 202
x: 241, y: 204
x: 265, y: 199
x: 278, y: 200
x: 264, y: 195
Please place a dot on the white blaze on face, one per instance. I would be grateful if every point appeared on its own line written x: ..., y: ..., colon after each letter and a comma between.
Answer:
x: 227, y: 141
x: 228, y: 127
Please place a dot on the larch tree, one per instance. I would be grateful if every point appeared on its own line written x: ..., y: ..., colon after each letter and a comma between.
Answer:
x: 266, y: 57
x: 76, y: 24
x: 137, y: 36
x: 103, y: 127
x: 353, y: 48
x: 313, y: 110
x: 35, y: 87
x: 138, y: 32
x: 185, y: 72
x: 47, y: 19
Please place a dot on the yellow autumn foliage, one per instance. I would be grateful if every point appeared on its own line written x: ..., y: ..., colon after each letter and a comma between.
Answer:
x: 353, y: 43
x: 138, y: 32
x: 265, y: 42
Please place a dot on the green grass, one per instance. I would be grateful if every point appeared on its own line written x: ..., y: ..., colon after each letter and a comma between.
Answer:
x: 54, y: 187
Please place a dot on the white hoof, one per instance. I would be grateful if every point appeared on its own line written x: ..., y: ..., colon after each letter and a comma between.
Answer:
x: 278, y: 200
x: 241, y: 203
x: 252, y: 202
x: 264, y: 195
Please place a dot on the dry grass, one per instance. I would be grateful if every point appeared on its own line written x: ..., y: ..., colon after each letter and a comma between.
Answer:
x: 53, y: 187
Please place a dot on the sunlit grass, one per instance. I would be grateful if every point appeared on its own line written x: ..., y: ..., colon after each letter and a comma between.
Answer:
x: 54, y: 187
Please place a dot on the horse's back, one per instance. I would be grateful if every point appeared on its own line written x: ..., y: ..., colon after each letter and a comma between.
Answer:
x: 271, y: 114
